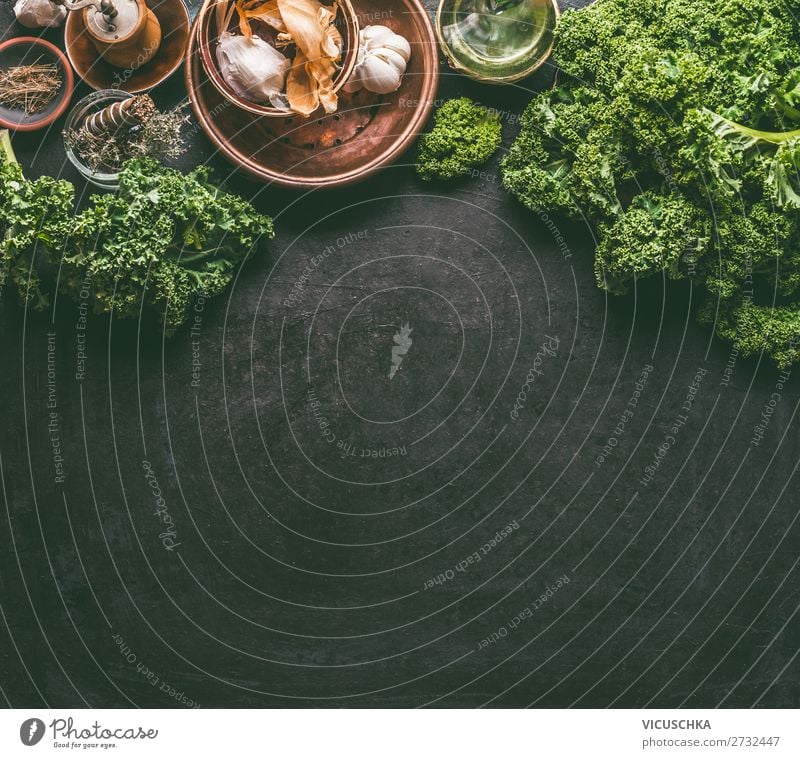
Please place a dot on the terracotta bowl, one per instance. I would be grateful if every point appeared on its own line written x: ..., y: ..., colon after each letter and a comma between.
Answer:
x: 99, y: 74
x: 366, y: 134
x: 23, y: 51
x: 208, y: 34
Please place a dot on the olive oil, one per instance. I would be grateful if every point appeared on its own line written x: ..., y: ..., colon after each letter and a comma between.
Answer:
x: 497, y: 39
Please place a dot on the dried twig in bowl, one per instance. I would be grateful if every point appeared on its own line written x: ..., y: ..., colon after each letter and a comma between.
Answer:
x: 30, y: 88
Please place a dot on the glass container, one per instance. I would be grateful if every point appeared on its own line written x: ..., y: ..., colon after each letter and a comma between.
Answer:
x: 104, y: 178
x: 497, y: 41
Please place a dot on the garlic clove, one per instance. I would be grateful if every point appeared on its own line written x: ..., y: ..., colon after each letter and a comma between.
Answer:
x: 394, y: 59
x: 252, y: 68
x: 375, y: 37
x: 382, y: 60
x: 400, y: 45
x: 375, y: 34
x: 379, y: 76
x: 39, y: 14
x: 354, y: 83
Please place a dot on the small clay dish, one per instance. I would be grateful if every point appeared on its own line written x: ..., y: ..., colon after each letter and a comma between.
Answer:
x: 366, y: 134
x: 173, y: 17
x: 208, y: 34
x: 499, y: 41
x: 25, y: 51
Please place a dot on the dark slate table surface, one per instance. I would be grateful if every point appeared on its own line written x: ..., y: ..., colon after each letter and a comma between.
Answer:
x: 341, y: 539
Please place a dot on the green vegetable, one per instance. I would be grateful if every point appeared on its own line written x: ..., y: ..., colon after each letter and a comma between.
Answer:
x: 464, y: 135
x: 6, y: 147
x: 163, y: 240
x: 165, y: 237
x: 675, y: 132
x: 35, y: 216
x: 654, y: 234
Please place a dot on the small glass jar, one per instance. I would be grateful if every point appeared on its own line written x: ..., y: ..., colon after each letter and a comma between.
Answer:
x: 497, y: 41
x: 105, y: 179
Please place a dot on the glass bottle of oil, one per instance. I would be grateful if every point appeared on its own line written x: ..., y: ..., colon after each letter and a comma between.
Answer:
x: 500, y: 40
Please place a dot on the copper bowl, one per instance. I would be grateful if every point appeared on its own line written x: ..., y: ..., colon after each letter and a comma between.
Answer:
x: 366, y: 134
x: 99, y: 74
x: 208, y: 34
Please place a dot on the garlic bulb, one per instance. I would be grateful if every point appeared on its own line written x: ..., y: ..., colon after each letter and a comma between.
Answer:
x: 39, y: 14
x: 253, y: 69
x: 382, y: 60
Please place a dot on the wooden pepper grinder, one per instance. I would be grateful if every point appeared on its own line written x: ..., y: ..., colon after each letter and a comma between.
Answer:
x: 126, y: 33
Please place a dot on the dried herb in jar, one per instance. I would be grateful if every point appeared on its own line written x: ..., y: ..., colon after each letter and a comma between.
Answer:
x: 132, y: 128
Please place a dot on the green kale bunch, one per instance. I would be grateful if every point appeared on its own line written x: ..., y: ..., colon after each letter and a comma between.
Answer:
x: 165, y: 237
x: 34, y: 216
x: 162, y: 241
x: 464, y: 135
x: 676, y: 132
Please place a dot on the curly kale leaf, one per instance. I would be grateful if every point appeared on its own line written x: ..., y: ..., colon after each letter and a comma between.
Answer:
x: 756, y: 329
x: 675, y: 132
x: 35, y: 222
x: 654, y: 235
x: 742, y: 153
x: 756, y: 246
x: 558, y: 162
x: 464, y: 135
x: 164, y: 240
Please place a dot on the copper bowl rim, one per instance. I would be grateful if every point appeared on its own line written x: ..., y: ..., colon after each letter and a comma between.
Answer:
x: 66, y: 91
x: 209, y: 64
x: 85, y: 75
x: 427, y: 99
x: 462, y: 68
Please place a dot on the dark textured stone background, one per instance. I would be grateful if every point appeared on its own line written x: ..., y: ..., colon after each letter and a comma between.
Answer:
x: 301, y: 575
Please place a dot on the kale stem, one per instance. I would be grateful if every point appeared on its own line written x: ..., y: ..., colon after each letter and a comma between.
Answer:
x: 185, y: 260
x: 776, y: 138
x: 6, y: 146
